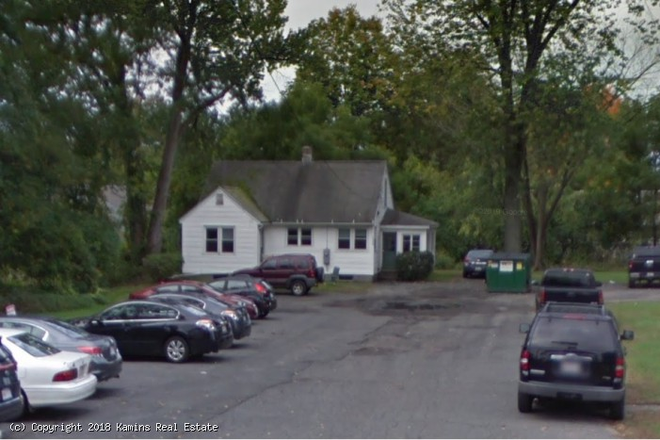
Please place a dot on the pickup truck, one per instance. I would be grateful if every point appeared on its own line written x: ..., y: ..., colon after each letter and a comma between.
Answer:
x: 644, y: 265
x: 568, y: 285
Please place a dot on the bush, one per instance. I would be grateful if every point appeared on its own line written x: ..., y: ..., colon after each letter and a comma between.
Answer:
x: 34, y: 300
x: 162, y: 266
x: 414, y: 266
x: 444, y: 261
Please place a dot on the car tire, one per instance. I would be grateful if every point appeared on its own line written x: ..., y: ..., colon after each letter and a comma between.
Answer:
x: 632, y: 284
x: 525, y: 402
x: 265, y: 313
x: 176, y: 349
x: 465, y: 274
x: 618, y: 410
x: 298, y: 288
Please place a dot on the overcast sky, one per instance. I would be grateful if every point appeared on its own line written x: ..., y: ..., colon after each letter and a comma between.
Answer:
x: 300, y: 13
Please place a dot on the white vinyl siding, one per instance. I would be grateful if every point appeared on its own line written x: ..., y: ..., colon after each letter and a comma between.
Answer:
x: 349, y: 261
x: 237, y: 238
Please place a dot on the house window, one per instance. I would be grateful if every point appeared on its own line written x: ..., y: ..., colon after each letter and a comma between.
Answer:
x: 228, y: 240
x: 410, y: 243
x: 211, y: 239
x: 299, y: 236
x: 360, y: 239
x: 219, y: 199
x: 292, y: 237
x: 306, y: 237
x: 344, y: 241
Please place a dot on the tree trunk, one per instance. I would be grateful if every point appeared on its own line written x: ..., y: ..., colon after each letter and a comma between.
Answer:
x: 513, y: 161
x: 541, y: 227
x: 174, y: 132
x: 136, y: 204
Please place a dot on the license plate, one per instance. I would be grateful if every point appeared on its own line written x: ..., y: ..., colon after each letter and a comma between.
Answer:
x: 571, y: 368
x: 569, y: 396
x: 6, y: 394
x: 650, y: 274
x: 478, y: 269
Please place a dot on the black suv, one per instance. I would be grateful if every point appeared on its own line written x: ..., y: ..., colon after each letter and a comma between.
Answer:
x: 475, y: 263
x: 295, y: 272
x: 573, y: 352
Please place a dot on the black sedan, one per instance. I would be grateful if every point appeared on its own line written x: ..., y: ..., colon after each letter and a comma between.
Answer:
x: 12, y: 403
x: 106, y: 360
x: 249, y: 287
x: 238, y: 318
x: 149, y: 328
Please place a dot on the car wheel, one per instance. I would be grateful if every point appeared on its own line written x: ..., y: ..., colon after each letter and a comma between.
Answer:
x: 632, y: 284
x: 176, y: 349
x: 465, y: 274
x: 618, y: 410
x: 298, y: 288
x: 265, y: 313
x: 525, y: 402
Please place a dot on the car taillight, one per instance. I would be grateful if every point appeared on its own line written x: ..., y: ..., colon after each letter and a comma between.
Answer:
x: 542, y: 296
x: 10, y: 366
x: 620, y: 369
x: 630, y: 265
x: 94, y: 351
x: 524, y: 361
x: 260, y: 288
x: 65, y: 376
x: 601, y: 301
x: 466, y: 260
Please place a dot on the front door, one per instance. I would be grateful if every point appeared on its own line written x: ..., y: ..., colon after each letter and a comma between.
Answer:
x: 389, y: 251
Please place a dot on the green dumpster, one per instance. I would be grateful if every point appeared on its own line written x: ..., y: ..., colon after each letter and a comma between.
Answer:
x: 509, y: 272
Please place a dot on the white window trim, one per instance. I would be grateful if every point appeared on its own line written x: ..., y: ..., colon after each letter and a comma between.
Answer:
x: 299, y: 236
x: 351, y: 240
x: 219, y: 240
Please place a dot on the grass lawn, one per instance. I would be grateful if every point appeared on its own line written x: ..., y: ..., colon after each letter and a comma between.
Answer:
x: 446, y: 275
x: 110, y: 296
x: 343, y: 286
x: 643, y: 372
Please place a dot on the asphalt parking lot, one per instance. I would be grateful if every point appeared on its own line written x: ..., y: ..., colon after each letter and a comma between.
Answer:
x: 421, y: 360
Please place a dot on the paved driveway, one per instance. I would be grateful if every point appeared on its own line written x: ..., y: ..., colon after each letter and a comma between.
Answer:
x: 421, y: 360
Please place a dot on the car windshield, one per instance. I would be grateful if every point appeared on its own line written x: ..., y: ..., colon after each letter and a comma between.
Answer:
x: 33, y: 345
x: 69, y: 330
x: 480, y: 254
x: 580, y: 333
x: 569, y: 279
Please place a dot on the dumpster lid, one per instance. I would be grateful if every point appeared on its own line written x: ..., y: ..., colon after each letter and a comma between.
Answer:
x: 509, y: 256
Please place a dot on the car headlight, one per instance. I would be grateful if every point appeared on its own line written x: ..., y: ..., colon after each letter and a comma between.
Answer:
x: 206, y: 323
x: 230, y: 313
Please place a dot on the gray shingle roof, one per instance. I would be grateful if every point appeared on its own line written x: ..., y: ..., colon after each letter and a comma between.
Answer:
x: 393, y: 217
x: 317, y: 192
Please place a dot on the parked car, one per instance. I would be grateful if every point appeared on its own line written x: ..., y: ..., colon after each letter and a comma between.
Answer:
x: 189, y: 286
x: 238, y: 318
x: 569, y: 285
x: 248, y: 287
x: 150, y: 328
x: 49, y: 376
x: 11, y: 399
x: 644, y: 266
x: 475, y: 263
x: 106, y: 360
x: 298, y: 273
x: 574, y: 356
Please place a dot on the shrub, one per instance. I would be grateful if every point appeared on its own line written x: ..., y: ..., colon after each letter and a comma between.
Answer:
x: 444, y: 261
x: 414, y: 266
x: 162, y: 266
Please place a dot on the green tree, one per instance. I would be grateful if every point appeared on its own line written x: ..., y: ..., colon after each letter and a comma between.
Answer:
x: 514, y: 37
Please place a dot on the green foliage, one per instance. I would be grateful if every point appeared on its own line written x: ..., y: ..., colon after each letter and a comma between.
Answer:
x: 33, y: 300
x: 162, y: 266
x: 414, y: 265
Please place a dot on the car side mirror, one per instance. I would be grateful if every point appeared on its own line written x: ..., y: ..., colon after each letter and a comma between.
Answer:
x: 524, y: 328
x: 628, y: 335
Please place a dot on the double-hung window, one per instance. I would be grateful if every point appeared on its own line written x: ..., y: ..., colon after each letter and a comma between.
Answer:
x: 299, y: 236
x: 219, y: 239
x: 410, y: 242
x: 351, y: 238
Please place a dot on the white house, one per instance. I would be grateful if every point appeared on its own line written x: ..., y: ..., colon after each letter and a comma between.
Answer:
x: 342, y: 212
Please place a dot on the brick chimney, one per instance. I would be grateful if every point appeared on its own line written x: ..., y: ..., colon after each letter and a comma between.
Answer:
x: 306, y: 154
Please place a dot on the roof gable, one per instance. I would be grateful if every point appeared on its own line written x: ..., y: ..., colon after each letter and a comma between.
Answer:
x: 316, y: 192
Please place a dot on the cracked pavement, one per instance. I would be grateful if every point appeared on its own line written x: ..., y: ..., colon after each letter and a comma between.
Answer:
x: 419, y: 360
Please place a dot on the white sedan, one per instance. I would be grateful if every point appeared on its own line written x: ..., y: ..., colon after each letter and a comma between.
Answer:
x: 48, y: 375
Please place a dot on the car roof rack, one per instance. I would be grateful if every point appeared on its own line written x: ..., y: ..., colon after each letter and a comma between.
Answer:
x: 569, y: 307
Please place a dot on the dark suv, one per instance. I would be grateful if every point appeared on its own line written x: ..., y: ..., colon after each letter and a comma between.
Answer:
x: 295, y: 272
x: 573, y: 352
x: 475, y: 263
